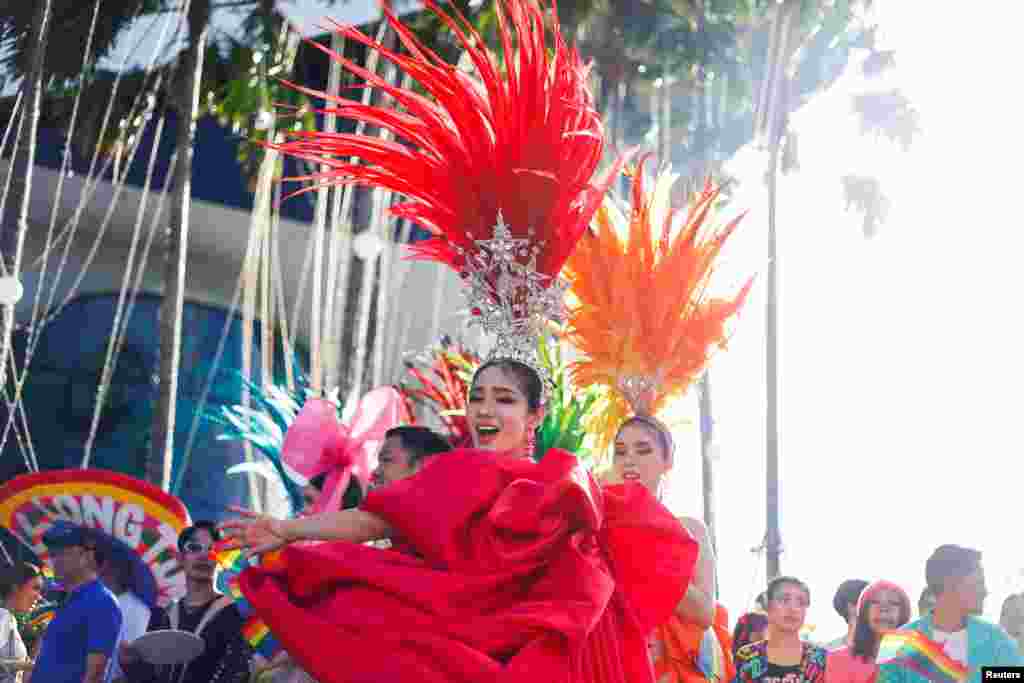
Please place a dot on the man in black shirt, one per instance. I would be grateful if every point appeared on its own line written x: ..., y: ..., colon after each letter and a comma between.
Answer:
x: 203, y: 611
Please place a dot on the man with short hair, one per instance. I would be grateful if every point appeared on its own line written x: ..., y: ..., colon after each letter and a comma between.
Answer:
x: 957, y: 579
x: 405, y: 450
x: 845, y: 604
x: 79, y: 644
x: 204, y: 612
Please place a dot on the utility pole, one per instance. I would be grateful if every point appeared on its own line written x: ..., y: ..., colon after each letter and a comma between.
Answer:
x: 770, y: 125
x: 14, y: 225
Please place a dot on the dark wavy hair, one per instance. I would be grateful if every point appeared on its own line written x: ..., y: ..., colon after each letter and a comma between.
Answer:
x: 865, y: 640
x: 779, y: 581
x: 949, y: 562
x: 13, y: 576
x: 353, y: 496
x: 420, y: 442
x: 189, y: 532
x: 848, y: 594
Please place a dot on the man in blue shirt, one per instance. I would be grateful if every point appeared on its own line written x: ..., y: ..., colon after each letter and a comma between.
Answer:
x: 957, y: 579
x: 79, y: 642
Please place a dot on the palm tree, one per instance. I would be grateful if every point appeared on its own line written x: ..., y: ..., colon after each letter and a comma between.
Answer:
x: 799, y: 35
x: 158, y: 465
x: 888, y: 114
x: 12, y: 231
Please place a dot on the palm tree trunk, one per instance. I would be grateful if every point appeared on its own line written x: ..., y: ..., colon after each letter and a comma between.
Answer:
x: 158, y: 467
x: 15, y: 225
x: 773, y: 534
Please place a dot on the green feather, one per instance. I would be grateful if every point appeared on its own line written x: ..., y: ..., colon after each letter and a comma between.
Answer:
x: 566, y: 409
x: 264, y: 424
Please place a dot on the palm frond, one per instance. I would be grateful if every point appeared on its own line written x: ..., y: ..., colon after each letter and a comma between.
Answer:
x: 865, y: 195
x: 888, y: 114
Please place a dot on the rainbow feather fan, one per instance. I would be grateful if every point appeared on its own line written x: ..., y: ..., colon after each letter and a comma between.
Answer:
x: 523, y: 138
x: 915, y: 651
x: 640, y: 314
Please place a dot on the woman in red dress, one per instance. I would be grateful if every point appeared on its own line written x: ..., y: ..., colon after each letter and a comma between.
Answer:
x: 526, y: 571
x: 518, y: 571
x: 693, y: 645
x: 646, y: 327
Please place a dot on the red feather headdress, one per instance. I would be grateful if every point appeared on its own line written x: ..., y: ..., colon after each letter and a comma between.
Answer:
x: 497, y: 167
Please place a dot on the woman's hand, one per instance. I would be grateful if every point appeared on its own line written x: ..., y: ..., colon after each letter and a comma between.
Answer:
x: 253, y: 534
x: 128, y: 655
x: 15, y: 665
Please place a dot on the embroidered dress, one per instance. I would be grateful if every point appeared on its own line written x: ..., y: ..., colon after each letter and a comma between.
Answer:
x: 752, y: 665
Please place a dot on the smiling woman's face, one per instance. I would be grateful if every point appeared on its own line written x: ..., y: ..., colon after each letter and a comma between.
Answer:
x: 884, y: 611
x: 639, y: 456
x: 498, y: 413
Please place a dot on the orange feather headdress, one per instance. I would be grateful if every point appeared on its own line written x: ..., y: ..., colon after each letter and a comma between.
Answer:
x: 639, y: 311
x: 497, y: 167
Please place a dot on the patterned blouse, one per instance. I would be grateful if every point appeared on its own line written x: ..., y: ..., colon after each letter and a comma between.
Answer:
x: 752, y: 665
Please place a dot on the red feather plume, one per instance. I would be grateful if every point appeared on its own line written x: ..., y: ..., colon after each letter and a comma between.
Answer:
x: 525, y: 142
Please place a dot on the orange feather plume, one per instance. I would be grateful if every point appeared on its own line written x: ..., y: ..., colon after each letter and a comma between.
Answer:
x: 640, y: 314
x: 523, y: 138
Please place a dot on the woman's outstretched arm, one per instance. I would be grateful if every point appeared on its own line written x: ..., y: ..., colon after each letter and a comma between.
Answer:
x: 353, y: 525
x: 256, y: 533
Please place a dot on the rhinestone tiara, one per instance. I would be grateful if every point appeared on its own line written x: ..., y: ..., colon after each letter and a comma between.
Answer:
x: 509, y: 298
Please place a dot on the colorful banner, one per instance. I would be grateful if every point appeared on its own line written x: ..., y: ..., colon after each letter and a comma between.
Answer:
x: 138, y: 520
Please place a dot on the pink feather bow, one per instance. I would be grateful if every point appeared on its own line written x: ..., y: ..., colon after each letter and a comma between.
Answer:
x: 317, y: 442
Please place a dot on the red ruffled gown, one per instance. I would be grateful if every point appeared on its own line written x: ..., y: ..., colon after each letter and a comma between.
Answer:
x: 526, y: 572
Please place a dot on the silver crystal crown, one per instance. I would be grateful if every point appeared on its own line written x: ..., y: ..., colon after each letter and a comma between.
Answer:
x: 509, y: 298
x: 636, y: 388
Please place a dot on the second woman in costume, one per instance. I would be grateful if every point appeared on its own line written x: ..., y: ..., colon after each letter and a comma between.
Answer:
x: 645, y: 325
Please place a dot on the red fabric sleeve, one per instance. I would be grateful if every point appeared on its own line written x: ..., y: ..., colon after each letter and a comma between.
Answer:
x: 652, y: 558
x: 652, y: 554
x: 513, y: 582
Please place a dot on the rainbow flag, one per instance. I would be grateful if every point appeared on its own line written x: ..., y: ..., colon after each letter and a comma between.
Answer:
x: 915, y: 651
x: 232, y: 563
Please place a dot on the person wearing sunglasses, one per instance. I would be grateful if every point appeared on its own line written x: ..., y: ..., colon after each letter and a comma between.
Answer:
x: 203, y: 611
